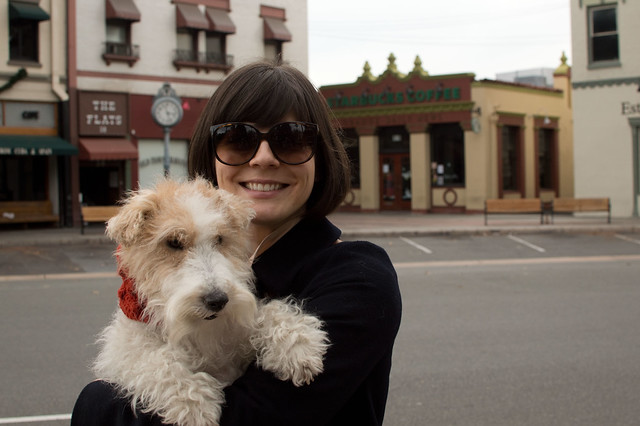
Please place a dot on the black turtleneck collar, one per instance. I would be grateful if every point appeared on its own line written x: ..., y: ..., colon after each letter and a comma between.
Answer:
x: 277, y: 266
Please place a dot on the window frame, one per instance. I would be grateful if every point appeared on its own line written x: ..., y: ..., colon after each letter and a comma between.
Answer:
x: 31, y: 29
x: 592, y: 36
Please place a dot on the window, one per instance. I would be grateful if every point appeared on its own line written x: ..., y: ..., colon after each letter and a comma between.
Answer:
x: 603, y: 34
x: 447, y: 155
x: 24, y: 20
x: 120, y: 15
x: 187, y: 45
x: 511, y: 155
x: 546, y: 157
x: 275, y: 31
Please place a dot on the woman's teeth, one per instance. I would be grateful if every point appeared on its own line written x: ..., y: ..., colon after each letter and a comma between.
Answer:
x: 263, y: 187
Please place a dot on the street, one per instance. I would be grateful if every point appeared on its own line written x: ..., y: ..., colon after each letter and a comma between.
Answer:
x: 528, y: 329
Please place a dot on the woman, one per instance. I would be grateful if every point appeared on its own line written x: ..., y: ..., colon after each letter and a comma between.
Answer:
x: 266, y: 135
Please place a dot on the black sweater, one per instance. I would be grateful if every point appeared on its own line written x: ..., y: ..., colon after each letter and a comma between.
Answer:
x: 353, y: 288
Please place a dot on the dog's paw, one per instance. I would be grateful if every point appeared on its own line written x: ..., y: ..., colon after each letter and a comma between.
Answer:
x: 289, y: 343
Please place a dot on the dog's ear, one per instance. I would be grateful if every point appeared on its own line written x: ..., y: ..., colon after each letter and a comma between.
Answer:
x: 238, y: 211
x: 126, y: 227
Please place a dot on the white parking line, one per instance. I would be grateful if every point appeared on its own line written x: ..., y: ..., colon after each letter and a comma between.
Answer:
x: 29, y: 419
x: 526, y: 243
x: 628, y: 239
x: 416, y: 245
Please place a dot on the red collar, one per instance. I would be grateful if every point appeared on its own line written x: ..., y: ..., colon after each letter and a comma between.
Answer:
x: 127, y: 296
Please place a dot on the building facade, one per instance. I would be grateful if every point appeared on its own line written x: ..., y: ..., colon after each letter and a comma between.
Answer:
x: 606, y: 108
x: 35, y: 152
x: 446, y: 143
x: 122, y: 52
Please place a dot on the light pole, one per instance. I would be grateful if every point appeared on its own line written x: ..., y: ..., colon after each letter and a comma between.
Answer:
x: 166, y: 111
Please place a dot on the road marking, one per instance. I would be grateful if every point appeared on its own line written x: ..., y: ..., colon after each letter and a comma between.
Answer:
x: 68, y: 276
x: 526, y: 243
x: 628, y: 239
x: 503, y: 262
x: 29, y: 419
x: 416, y: 245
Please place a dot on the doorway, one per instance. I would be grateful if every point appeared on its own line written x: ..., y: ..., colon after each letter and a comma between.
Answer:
x: 395, y: 182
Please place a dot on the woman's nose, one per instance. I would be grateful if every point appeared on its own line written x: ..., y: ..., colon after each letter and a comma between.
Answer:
x: 264, y: 156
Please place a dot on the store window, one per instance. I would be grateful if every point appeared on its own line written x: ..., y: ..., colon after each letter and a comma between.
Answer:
x: 23, y: 178
x: 511, y: 154
x: 447, y: 155
x: 546, y: 159
x: 352, y: 146
x: 603, y: 35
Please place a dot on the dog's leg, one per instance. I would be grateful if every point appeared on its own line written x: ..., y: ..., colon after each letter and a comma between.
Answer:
x: 158, y: 378
x: 289, y: 343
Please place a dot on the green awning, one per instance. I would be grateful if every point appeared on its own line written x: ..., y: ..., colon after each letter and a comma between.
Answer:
x: 30, y: 11
x: 25, y: 145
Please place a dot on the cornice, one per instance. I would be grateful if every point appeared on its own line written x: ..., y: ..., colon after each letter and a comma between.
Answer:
x: 397, y: 110
x: 605, y: 82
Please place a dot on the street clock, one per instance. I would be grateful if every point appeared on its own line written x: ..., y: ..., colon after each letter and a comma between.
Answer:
x: 166, y: 109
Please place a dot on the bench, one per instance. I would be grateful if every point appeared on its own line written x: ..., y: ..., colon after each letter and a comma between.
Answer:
x: 513, y: 206
x: 27, y: 212
x: 579, y: 205
x: 96, y: 214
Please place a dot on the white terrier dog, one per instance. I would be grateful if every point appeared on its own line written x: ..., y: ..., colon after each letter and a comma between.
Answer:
x: 196, y: 323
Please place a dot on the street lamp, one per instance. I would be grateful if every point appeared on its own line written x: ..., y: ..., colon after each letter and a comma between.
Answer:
x: 166, y: 111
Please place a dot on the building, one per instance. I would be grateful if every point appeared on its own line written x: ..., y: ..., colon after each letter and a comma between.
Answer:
x: 122, y: 52
x: 606, y: 107
x: 446, y: 143
x: 35, y: 152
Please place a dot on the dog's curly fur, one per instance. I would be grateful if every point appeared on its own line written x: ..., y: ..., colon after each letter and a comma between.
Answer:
x: 185, y: 246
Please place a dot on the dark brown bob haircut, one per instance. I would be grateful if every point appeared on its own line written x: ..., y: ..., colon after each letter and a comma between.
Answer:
x: 264, y: 93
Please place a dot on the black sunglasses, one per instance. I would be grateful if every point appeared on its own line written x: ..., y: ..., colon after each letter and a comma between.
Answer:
x: 292, y: 142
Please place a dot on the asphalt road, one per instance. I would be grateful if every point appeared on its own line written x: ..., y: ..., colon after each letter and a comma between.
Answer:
x: 536, y: 329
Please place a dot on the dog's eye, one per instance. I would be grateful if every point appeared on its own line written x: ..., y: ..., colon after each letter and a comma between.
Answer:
x: 218, y: 240
x: 175, y: 244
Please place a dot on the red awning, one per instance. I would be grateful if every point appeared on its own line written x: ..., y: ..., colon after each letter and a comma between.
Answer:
x: 189, y: 16
x: 107, y: 149
x: 220, y: 21
x: 122, y: 9
x: 274, y: 29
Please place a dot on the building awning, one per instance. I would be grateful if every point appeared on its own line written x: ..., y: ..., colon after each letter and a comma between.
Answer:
x: 27, y: 145
x: 220, y: 21
x: 94, y: 149
x: 29, y: 11
x: 274, y: 29
x: 189, y: 16
x: 124, y: 10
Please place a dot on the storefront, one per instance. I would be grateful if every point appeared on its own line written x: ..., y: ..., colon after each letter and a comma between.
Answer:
x: 446, y: 143
x: 108, y: 158
x: 34, y: 181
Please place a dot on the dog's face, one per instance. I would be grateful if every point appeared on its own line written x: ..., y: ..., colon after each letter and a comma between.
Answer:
x: 186, y: 247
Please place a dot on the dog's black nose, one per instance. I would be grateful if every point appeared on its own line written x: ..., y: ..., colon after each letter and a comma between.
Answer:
x: 215, y: 301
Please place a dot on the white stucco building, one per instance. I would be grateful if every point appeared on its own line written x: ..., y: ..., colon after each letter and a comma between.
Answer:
x: 606, y: 101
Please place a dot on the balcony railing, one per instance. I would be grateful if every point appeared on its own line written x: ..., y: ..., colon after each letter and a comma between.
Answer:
x: 121, y: 52
x: 202, y: 60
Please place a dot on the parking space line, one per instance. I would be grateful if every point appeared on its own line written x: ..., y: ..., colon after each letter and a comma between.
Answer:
x: 31, y: 419
x: 512, y: 262
x: 416, y: 245
x: 628, y: 239
x: 526, y: 243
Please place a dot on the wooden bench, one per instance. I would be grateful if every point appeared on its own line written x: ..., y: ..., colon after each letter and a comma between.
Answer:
x: 579, y: 205
x: 96, y: 214
x: 513, y: 206
x: 27, y: 212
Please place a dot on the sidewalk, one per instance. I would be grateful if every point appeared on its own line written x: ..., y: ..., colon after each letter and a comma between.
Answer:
x: 363, y: 225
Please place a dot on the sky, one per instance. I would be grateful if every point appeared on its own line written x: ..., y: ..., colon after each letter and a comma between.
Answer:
x: 483, y: 37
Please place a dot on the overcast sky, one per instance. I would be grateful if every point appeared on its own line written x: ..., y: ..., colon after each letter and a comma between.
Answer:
x: 484, y: 37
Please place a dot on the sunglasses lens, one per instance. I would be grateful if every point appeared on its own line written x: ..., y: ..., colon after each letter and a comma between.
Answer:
x: 293, y: 143
x: 235, y: 143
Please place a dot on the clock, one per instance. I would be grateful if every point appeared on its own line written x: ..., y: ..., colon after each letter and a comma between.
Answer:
x: 166, y: 111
